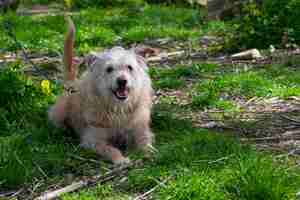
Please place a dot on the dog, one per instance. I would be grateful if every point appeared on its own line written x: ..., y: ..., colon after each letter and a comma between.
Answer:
x: 111, y: 104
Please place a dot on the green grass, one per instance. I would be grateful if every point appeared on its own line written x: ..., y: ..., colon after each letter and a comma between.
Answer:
x: 26, y: 139
x: 98, y: 28
x: 269, y: 81
x: 104, y: 192
x: 217, y: 87
x: 204, y: 165
x: 174, y: 78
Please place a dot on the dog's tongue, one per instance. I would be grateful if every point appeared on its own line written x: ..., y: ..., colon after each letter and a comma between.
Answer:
x: 122, y: 92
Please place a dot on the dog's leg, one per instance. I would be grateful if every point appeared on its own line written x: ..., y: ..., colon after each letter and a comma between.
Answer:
x: 143, y: 139
x: 57, y: 112
x: 111, y: 153
x: 96, y: 139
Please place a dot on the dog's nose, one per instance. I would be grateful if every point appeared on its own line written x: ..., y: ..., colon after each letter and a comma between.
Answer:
x: 121, y: 82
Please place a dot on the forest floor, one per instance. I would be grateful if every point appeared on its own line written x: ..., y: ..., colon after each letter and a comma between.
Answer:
x: 225, y: 129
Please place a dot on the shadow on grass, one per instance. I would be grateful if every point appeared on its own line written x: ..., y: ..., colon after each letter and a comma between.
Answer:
x: 208, y: 165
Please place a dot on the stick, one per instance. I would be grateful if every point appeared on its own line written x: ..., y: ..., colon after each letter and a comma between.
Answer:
x: 220, y: 159
x: 289, y: 137
x: 164, y: 56
x: 98, y: 179
x: 142, y: 196
x: 59, y: 192
x: 83, y: 159
x: 290, y: 119
x: 11, y: 193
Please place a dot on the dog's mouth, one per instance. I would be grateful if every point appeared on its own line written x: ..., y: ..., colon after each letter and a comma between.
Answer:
x: 121, y: 93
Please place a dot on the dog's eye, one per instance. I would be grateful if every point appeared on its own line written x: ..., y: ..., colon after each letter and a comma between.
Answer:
x: 130, y: 67
x: 109, y: 69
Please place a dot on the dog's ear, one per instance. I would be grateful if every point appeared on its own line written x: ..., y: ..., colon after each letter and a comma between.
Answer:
x: 90, y: 59
x: 142, y: 62
x: 145, y: 51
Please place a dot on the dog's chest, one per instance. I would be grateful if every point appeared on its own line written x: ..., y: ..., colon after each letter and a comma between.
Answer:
x: 107, y: 119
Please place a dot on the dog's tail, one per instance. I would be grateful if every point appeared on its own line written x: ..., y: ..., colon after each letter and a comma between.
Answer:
x: 70, y: 68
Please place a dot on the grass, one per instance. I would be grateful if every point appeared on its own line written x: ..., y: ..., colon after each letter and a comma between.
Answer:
x: 202, y: 164
x: 105, y: 192
x: 192, y: 158
x: 217, y: 87
x: 174, y: 78
x: 24, y: 127
x: 99, y: 28
x: 30, y: 147
x: 199, y: 163
x: 269, y: 81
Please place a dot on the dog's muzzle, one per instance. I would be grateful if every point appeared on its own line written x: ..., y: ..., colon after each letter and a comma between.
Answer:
x: 122, y: 91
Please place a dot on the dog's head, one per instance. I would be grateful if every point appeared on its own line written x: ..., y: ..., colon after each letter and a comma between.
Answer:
x: 118, y: 74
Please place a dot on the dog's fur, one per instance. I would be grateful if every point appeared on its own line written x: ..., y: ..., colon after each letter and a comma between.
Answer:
x: 97, y: 112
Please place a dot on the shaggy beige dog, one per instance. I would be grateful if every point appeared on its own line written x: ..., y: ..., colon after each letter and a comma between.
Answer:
x: 112, y: 102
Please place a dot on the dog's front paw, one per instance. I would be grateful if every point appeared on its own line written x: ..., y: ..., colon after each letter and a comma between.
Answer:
x: 121, y: 161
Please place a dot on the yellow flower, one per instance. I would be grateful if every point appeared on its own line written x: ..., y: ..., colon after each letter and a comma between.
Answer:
x: 68, y: 3
x: 45, y: 86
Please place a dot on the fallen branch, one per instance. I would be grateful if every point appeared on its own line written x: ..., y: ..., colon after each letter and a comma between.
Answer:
x: 269, y: 147
x: 67, y: 189
x: 290, y: 119
x: 247, y: 55
x: 215, y: 161
x: 220, y: 159
x: 144, y: 195
x: 165, y: 56
x: 276, y: 138
x: 83, y: 159
x: 99, y: 179
x: 45, y: 60
x: 10, y: 194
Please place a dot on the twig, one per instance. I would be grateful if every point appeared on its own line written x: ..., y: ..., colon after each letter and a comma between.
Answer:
x: 59, y: 192
x: 144, y: 195
x: 34, y: 188
x: 165, y: 56
x: 291, y: 153
x: 220, y: 159
x: 85, y: 183
x: 276, y: 138
x: 84, y: 159
x: 11, y: 193
x: 215, y: 161
x: 290, y: 119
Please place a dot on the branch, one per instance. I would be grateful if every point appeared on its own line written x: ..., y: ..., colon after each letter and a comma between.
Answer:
x: 164, y: 56
x: 98, y: 179
x: 276, y: 138
x: 290, y: 119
